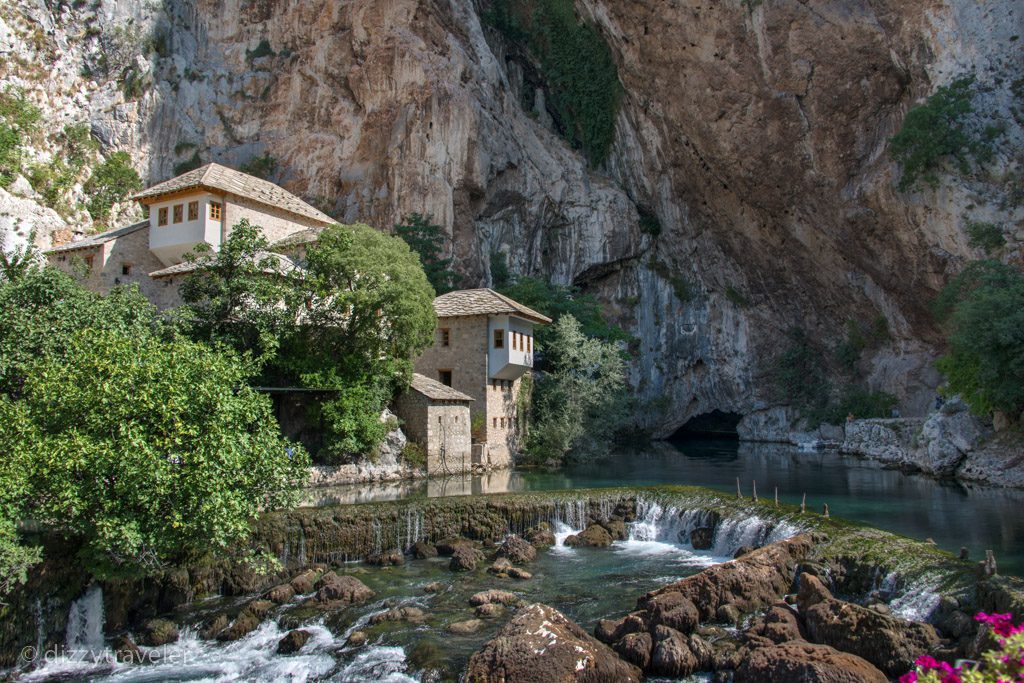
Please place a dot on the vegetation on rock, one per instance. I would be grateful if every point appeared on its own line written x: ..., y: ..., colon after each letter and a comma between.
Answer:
x: 580, y: 74
x: 19, y: 120
x: 983, y: 311
x: 111, y: 182
x: 262, y: 166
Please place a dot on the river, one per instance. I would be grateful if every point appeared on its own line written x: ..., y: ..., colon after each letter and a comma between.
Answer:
x: 952, y: 514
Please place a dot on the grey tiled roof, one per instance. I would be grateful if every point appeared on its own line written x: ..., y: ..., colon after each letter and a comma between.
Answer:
x: 433, y: 389
x: 483, y: 302
x: 223, y: 179
x: 285, y: 265
x: 296, y: 238
x: 97, y: 240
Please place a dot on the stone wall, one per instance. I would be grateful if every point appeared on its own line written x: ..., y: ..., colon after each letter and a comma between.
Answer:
x: 276, y: 223
x: 441, y: 428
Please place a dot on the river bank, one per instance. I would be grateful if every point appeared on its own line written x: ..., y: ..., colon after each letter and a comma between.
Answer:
x: 655, y: 546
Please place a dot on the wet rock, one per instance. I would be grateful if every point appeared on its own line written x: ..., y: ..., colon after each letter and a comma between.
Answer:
x: 810, y: 592
x: 422, y: 550
x: 500, y: 567
x: 541, y: 536
x: 259, y: 608
x: 702, y: 651
x: 779, y: 624
x: 447, y: 546
x: 433, y: 587
x: 702, y: 538
x: 671, y: 655
x: 465, y: 558
x: 214, y: 626
x: 464, y: 627
x: 728, y: 614
x: 801, y: 662
x: 743, y: 550
x: 541, y: 644
x: 157, y: 632
x: 347, y: 589
x: 889, y: 643
x: 635, y: 648
x: 609, y: 631
x: 245, y: 623
x: 303, y: 583
x: 281, y: 594
x: 673, y: 610
x: 293, y: 642
x: 519, y: 573
x: 594, y: 536
x: 391, y: 559
x: 126, y: 651
x: 750, y: 583
x: 494, y: 596
x: 517, y: 550
x: 356, y: 639
x: 412, y: 615
x: 490, y: 610
x: 616, y: 529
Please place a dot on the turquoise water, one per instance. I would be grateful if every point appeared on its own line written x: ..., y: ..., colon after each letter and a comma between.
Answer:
x: 952, y: 514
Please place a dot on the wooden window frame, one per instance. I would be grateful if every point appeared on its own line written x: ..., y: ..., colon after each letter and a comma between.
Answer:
x: 440, y: 376
x: 216, y: 211
x: 446, y: 336
x: 499, y: 338
x: 193, y: 210
x: 178, y: 214
x: 162, y: 215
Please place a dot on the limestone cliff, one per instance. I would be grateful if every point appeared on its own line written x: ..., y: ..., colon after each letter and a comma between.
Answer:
x: 755, y: 132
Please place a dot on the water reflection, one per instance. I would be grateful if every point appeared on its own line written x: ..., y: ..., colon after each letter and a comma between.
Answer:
x: 951, y: 513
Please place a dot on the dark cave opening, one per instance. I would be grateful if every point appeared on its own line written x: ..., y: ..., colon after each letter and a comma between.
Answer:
x: 716, y: 424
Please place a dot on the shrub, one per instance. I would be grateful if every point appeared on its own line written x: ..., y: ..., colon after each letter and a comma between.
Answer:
x: 190, y: 164
x: 261, y: 50
x: 351, y: 421
x: 262, y: 166
x: 983, y: 312
x: 414, y: 455
x: 861, y: 336
x: 862, y: 404
x: 111, y: 182
x: 938, y: 131
x: 986, y: 236
x: 649, y: 222
x: 19, y: 120
x: 1000, y: 664
x: 798, y: 373
x: 500, y: 275
x: 79, y: 145
x: 582, y: 79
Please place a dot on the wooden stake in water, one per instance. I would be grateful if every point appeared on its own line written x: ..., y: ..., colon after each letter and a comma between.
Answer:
x: 776, y: 496
x: 755, y: 490
x: 826, y: 509
x: 738, y: 494
x: 803, y: 504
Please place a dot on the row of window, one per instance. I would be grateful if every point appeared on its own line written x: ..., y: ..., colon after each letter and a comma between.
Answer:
x: 503, y: 421
x: 90, y: 262
x: 520, y: 341
x: 177, y: 212
x: 501, y: 384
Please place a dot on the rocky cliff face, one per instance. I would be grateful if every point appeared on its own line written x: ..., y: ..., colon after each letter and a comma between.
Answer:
x: 754, y: 131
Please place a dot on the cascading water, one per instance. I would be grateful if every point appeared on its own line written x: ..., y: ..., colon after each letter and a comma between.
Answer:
x: 85, y: 626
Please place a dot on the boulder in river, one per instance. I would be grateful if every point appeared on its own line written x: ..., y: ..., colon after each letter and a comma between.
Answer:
x: 126, y: 651
x: 541, y: 536
x: 389, y: 559
x: 464, y: 627
x: 303, y: 583
x: 412, y: 615
x: 494, y: 596
x: 594, y: 536
x: 465, y: 558
x: 347, y: 589
x: 616, y: 529
x: 702, y: 538
x: 674, y: 610
x: 157, y: 632
x: 519, y: 573
x: 798, y: 662
x: 517, y: 550
x: 281, y: 594
x: 671, y: 654
x: 447, y: 546
x: 501, y: 567
x: 541, y: 644
x: 490, y: 610
x: 293, y: 641
x: 422, y: 550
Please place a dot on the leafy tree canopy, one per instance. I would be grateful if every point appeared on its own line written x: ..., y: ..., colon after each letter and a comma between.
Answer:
x: 983, y: 310
x: 426, y: 239
x: 111, y: 182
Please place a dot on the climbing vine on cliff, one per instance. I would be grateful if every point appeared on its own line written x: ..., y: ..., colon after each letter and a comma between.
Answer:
x: 581, y: 78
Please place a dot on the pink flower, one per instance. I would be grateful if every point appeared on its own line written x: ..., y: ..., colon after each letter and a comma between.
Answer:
x: 909, y: 677
x: 927, y: 662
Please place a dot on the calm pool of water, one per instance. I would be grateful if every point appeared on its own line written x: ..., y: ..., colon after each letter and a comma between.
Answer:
x: 952, y: 514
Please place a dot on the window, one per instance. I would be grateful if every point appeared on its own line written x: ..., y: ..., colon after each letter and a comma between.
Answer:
x: 88, y: 263
x: 515, y: 341
x: 161, y: 216
x: 494, y: 422
x: 529, y: 344
x: 499, y: 339
x: 215, y: 210
x: 445, y: 377
x: 445, y: 337
x: 179, y: 213
x: 126, y: 269
x: 193, y: 211
x: 502, y: 423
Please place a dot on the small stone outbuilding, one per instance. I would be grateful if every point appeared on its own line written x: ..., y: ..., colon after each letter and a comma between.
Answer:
x: 436, y: 417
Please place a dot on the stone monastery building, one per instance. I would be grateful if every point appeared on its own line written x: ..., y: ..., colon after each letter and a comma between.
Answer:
x: 462, y: 405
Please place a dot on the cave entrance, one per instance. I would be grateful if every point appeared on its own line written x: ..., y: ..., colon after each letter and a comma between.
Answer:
x: 713, y: 425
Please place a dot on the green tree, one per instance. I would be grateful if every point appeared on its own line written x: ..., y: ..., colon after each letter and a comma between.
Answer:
x: 111, y: 182
x: 148, y: 450
x: 579, y: 400
x: 19, y: 120
x: 16, y: 262
x: 237, y: 295
x: 939, y: 131
x: 983, y: 311
x: 366, y: 310
x: 427, y: 240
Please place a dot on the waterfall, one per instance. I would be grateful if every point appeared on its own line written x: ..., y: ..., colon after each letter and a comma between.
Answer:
x: 85, y: 625
x: 573, y: 514
x: 915, y: 602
